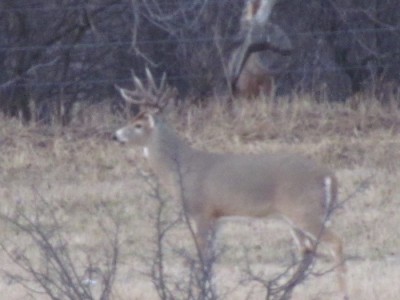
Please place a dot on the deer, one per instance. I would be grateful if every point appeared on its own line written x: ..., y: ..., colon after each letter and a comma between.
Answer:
x: 262, y: 52
x: 214, y: 185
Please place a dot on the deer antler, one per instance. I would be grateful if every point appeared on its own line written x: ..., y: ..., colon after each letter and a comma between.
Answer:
x: 264, y: 10
x: 148, y: 95
x: 259, y: 36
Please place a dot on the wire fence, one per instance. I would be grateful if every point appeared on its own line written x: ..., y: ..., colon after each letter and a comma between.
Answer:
x: 49, y: 8
x: 213, y: 39
x: 34, y: 83
x: 127, y: 80
x: 81, y: 7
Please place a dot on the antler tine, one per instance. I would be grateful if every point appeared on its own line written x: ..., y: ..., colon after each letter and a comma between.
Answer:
x: 138, y: 83
x: 152, y: 92
x: 163, y: 80
x: 165, y: 93
x: 160, y: 94
x: 157, y: 91
x: 150, y: 79
x: 129, y: 96
x: 148, y: 96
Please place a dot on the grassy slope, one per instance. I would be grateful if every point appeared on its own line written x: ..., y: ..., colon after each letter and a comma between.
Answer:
x: 80, y: 169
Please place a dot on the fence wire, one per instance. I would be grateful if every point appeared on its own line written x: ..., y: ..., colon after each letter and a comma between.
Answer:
x: 388, y: 29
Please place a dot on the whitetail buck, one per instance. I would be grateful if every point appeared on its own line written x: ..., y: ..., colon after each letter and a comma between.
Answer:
x: 262, y: 51
x: 215, y: 185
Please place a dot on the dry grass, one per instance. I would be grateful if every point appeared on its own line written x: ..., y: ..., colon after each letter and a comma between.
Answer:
x: 80, y: 169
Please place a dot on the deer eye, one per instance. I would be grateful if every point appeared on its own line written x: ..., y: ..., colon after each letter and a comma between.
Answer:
x: 138, y: 126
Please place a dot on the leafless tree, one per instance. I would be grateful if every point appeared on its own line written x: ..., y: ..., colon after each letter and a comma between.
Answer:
x: 55, y: 56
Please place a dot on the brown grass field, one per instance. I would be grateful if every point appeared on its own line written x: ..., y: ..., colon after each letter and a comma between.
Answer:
x: 88, y: 177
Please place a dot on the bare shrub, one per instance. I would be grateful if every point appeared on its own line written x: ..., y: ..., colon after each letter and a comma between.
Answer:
x: 47, y: 262
x: 199, y: 279
x: 176, y: 271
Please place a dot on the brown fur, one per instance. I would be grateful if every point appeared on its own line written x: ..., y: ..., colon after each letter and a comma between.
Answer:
x: 262, y: 53
x: 215, y: 185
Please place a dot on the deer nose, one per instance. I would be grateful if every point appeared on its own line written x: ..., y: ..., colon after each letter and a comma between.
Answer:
x: 117, y: 139
x: 120, y: 137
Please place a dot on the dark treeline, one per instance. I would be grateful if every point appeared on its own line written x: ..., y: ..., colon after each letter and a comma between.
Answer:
x: 56, y: 53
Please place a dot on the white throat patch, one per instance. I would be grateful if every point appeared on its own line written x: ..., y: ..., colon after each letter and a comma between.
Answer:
x: 146, y: 152
x: 328, y: 191
x: 328, y: 199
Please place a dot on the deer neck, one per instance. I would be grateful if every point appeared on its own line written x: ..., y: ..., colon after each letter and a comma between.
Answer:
x: 167, y: 153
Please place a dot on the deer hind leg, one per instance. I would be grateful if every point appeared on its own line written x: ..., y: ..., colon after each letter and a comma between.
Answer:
x: 302, y: 242
x: 306, y: 242
x: 336, y: 248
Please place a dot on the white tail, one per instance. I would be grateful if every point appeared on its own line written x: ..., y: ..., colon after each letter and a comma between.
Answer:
x: 261, y: 53
x: 216, y: 185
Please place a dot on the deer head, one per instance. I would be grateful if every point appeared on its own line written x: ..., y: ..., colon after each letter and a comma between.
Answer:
x: 152, y: 100
x: 258, y: 35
